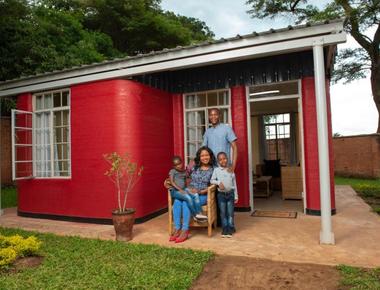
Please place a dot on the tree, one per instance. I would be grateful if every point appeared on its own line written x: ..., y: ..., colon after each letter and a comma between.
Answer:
x: 359, y: 16
x: 136, y: 26
x: 37, y: 39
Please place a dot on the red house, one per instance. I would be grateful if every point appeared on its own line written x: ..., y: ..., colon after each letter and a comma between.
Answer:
x: 272, y: 87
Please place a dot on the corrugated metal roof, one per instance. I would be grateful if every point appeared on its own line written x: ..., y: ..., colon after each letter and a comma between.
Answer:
x: 169, y: 50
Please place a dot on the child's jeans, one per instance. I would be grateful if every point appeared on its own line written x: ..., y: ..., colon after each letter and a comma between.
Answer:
x: 226, y: 206
x: 192, y: 200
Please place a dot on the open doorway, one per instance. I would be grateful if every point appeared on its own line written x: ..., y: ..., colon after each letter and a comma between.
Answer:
x: 276, y: 152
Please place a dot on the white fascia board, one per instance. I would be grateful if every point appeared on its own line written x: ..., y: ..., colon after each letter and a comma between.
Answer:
x: 331, y: 28
x: 243, y: 53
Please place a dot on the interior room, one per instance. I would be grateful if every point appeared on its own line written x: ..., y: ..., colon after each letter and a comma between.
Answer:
x: 276, y: 148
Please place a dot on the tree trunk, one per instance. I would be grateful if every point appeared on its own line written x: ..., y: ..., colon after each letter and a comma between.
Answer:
x: 375, y: 85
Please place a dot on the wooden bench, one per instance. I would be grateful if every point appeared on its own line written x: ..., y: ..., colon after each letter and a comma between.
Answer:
x: 209, y: 209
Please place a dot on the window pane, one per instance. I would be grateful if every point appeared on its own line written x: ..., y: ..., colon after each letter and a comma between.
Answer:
x: 212, y: 99
x: 65, y: 152
x: 191, y: 132
x: 189, y: 103
x: 57, y: 118
x: 200, y: 118
x: 200, y: 100
x: 223, y: 98
x: 191, y: 149
x: 65, y: 134
x: 65, y: 118
x: 190, y: 118
x: 57, y: 99
x: 47, y: 101
x: 57, y: 135
x: 200, y: 132
x: 65, y: 97
x: 224, y: 115
x: 286, y: 118
x: 39, y: 104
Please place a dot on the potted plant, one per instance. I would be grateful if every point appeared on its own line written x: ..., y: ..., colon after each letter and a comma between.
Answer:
x: 124, y: 173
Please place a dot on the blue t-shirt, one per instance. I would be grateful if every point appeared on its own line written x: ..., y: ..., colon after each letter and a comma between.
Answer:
x: 219, y: 139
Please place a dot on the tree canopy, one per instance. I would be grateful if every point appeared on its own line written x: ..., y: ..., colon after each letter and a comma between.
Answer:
x: 45, y: 35
x: 358, y: 15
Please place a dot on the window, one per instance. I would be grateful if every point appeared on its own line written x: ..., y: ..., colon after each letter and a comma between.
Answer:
x: 52, y: 131
x: 41, y: 139
x: 196, y: 116
x: 277, y: 137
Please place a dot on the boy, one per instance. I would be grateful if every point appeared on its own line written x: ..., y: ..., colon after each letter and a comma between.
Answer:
x: 177, y: 177
x: 227, y: 194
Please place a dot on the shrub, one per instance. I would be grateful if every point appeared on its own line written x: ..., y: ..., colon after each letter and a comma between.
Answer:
x: 7, y: 256
x: 17, y: 246
x: 368, y: 190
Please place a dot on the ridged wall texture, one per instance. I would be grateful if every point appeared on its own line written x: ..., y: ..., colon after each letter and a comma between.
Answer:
x: 239, y: 124
x: 107, y: 116
x: 310, y: 135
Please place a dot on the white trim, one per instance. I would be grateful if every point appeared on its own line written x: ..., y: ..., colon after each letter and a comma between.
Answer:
x: 173, y: 61
x: 205, y: 109
x: 14, y: 144
x: 300, y: 122
x: 264, y: 93
x: 302, y: 143
x: 274, y: 98
x: 326, y: 233
x: 249, y: 139
x: 51, y: 131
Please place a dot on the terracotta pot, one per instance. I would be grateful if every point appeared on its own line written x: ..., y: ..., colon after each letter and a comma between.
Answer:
x: 123, y: 224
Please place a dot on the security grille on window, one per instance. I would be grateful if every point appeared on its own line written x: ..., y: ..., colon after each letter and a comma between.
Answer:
x: 196, y: 117
x: 51, y: 135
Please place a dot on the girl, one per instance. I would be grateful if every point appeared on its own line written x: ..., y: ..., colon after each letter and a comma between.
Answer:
x: 200, y: 180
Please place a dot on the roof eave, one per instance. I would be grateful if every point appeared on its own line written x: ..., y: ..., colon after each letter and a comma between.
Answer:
x: 242, y: 48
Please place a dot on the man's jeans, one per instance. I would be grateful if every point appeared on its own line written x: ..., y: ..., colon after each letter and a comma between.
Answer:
x: 226, y: 206
x: 192, y: 200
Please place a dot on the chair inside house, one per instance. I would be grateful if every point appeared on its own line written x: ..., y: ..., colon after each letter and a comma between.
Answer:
x: 209, y: 209
x: 271, y: 168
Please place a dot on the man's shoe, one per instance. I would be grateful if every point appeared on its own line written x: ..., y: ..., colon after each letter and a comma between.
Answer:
x: 182, y: 237
x: 224, y: 233
x: 174, y: 235
x: 229, y: 233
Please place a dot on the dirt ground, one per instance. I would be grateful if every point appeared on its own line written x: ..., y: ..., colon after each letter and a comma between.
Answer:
x: 231, y: 272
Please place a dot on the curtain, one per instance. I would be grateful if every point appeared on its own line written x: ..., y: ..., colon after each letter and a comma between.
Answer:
x: 42, y: 139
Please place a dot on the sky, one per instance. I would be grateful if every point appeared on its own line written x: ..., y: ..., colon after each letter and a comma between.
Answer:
x: 353, y: 110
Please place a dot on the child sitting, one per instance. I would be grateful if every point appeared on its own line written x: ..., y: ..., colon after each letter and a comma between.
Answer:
x: 227, y: 194
x: 179, y: 191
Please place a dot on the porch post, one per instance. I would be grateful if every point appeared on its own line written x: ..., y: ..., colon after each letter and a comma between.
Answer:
x: 326, y: 234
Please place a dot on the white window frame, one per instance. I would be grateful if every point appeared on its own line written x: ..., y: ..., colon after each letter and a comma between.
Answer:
x: 51, y: 127
x: 205, y: 109
x: 15, y: 144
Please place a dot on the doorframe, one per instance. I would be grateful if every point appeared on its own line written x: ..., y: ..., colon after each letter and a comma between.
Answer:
x: 301, y: 137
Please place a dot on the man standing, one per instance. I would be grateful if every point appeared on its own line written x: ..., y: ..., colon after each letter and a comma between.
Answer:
x: 220, y: 138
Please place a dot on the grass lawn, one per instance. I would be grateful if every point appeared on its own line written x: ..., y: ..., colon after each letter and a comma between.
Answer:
x: 8, y: 197
x: 77, y: 263
x: 356, y: 278
x: 368, y: 189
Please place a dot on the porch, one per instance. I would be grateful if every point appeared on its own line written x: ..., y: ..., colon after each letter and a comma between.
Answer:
x: 356, y: 228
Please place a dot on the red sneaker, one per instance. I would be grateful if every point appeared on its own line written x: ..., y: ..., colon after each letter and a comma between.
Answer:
x: 182, y: 237
x: 175, y: 235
